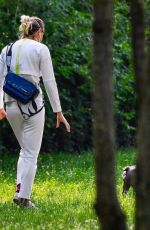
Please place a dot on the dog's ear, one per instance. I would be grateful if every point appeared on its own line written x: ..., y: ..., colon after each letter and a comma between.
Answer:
x: 124, y: 174
x: 125, y: 170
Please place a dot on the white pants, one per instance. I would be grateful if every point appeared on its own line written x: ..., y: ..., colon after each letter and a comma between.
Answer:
x: 29, y: 134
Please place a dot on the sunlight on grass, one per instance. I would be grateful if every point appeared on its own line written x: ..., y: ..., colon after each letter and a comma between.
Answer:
x: 64, y: 193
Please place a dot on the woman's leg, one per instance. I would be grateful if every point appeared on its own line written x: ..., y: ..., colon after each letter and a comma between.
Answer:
x: 16, y: 121
x: 31, y: 142
x: 29, y: 134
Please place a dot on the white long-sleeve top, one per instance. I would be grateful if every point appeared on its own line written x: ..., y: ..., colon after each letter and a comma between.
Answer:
x: 34, y: 61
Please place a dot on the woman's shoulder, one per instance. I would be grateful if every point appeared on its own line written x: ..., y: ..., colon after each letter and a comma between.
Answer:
x: 43, y: 46
x: 3, y: 52
x: 5, y: 48
x: 44, y: 50
x: 38, y: 45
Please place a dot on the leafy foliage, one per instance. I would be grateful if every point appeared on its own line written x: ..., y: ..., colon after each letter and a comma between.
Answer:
x: 68, y: 36
x: 125, y: 97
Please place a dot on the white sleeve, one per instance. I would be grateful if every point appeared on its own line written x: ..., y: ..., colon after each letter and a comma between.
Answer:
x: 2, y: 66
x: 50, y: 84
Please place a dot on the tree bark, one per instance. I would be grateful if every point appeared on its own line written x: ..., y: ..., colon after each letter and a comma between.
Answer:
x: 106, y: 205
x: 142, y: 72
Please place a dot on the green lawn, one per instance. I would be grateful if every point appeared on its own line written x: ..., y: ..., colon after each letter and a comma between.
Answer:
x: 64, y: 192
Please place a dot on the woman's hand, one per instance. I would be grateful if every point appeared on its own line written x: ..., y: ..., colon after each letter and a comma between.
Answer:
x: 61, y: 118
x: 3, y: 114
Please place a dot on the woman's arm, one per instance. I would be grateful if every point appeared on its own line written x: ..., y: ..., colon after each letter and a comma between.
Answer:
x: 61, y: 118
x: 1, y: 80
x: 50, y: 84
x: 2, y: 66
x: 3, y: 114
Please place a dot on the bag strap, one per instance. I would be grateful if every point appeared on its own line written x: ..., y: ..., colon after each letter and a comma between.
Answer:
x: 17, y: 70
x: 9, y: 56
x: 26, y: 116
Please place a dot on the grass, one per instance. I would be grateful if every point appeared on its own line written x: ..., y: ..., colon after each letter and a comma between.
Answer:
x: 64, y: 192
x: 127, y: 202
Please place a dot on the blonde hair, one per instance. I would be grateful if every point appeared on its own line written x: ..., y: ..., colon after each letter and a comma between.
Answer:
x: 30, y: 25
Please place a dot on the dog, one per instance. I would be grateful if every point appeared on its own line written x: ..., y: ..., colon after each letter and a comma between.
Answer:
x: 128, y: 178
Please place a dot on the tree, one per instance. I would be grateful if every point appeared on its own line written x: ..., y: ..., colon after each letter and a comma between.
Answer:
x: 142, y: 72
x: 107, y: 205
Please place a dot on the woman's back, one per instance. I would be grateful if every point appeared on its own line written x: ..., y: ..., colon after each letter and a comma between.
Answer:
x: 28, y: 53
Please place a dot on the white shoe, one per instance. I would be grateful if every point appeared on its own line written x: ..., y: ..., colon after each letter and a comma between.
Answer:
x: 28, y: 204
x: 23, y: 202
x: 16, y: 198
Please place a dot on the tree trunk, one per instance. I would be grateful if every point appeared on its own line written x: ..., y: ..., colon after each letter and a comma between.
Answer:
x: 107, y: 205
x: 142, y: 72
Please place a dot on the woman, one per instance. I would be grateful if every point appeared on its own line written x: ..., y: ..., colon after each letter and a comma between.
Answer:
x: 30, y: 59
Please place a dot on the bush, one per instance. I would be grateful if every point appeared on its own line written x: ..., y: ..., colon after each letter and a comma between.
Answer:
x: 68, y: 36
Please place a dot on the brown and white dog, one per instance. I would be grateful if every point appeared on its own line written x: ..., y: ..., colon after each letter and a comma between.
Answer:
x: 128, y: 178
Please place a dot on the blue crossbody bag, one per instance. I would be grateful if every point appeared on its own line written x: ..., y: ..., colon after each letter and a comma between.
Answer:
x: 17, y: 87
